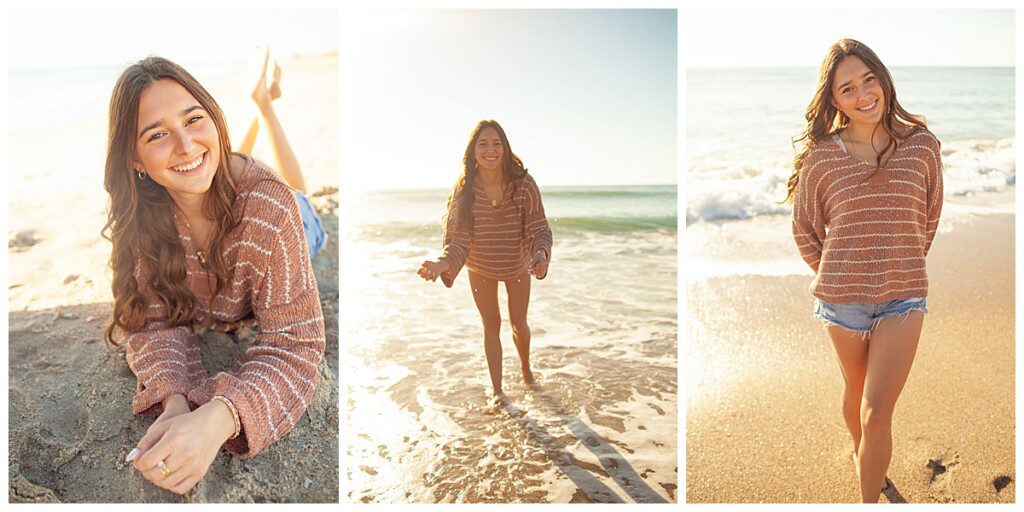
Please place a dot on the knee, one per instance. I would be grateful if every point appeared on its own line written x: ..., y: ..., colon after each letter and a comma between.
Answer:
x: 875, y: 419
x: 492, y: 326
x: 519, y: 327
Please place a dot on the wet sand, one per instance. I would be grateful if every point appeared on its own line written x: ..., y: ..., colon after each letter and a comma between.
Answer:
x: 600, y: 426
x: 763, y: 387
x: 71, y: 423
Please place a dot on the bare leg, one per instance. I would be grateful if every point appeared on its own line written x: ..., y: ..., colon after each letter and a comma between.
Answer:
x: 890, y: 355
x: 281, y: 158
x: 852, y: 351
x: 485, y: 294
x: 518, y: 303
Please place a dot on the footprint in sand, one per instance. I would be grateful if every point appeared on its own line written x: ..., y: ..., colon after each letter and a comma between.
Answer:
x: 1000, y: 482
x: 943, y: 468
x: 22, y: 241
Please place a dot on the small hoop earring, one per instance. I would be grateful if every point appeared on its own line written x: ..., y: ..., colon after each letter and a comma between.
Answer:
x: 141, y: 174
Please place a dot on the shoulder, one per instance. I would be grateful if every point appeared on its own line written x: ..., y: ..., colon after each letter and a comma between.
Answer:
x: 922, y: 136
x: 528, y: 184
x: 263, y: 194
x: 923, y: 141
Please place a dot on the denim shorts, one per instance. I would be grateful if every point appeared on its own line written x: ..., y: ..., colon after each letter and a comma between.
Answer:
x: 861, y: 317
x: 315, y: 235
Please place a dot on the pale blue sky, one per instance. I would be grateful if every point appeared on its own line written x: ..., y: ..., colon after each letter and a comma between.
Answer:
x: 586, y: 96
x: 900, y: 37
x: 114, y: 37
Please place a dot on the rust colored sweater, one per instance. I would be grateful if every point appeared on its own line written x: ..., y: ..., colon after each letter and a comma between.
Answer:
x: 865, y: 233
x: 502, y: 240
x: 271, y: 284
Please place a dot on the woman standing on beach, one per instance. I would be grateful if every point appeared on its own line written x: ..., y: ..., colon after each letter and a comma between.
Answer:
x: 867, y: 192
x: 495, y: 226
x: 205, y: 238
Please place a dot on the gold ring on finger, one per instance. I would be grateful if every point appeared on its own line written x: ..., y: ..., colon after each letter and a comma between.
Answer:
x: 163, y: 469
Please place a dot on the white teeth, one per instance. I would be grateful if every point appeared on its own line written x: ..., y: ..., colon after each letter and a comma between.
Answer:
x: 189, y: 166
x: 869, y: 107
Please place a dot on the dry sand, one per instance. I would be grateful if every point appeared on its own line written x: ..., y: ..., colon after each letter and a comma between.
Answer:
x: 70, y: 416
x: 763, y: 391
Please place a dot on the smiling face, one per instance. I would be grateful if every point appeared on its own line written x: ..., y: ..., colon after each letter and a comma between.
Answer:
x: 177, y: 141
x: 489, y: 152
x: 858, y: 92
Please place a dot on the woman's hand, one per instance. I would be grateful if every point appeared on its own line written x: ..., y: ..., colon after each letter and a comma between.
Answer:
x: 431, y: 269
x: 186, y: 444
x: 174, y: 405
x: 539, y: 265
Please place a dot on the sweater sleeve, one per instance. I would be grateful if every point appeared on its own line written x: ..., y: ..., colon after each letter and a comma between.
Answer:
x: 165, y: 360
x: 934, y: 194
x: 457, y: 242
x: 535, y: 224
x: 273, y: 382
x: 808, y: 221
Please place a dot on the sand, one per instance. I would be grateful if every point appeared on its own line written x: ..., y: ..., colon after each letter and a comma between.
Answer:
x: 601, y: 426
x: 763, y: 389
x: 70, y: 416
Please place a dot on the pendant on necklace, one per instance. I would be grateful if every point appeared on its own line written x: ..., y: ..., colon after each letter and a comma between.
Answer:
x: 494, y: 203
x: 202, y: 256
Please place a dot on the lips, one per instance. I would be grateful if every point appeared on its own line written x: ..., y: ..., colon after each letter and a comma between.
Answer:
x: 192, y: 166
x: 869, y: 107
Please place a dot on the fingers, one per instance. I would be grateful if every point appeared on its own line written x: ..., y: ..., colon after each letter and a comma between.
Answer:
x: 157, y: 452
x: 186, y: 485
x: 155, y: 433
x: 426, y: 272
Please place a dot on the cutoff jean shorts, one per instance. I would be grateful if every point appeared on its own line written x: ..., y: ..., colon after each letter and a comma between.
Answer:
x: 861, y: 317
x: 316, y: 238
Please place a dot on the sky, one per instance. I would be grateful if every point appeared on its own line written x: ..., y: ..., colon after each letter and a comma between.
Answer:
x: 586, y: 97
x: 114, y: 37
x: 768, y: 38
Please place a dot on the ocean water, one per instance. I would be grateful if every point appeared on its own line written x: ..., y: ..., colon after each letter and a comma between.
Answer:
x: 41, y: 98
x: 421, y: 426
x: 741, y: 123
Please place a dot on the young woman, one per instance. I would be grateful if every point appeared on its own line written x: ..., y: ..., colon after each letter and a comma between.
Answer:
x: 867, y: 191
x: 496, y: 227
x: 204, y: 238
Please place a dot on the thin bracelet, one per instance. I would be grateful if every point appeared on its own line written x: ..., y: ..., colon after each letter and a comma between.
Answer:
x: 234, y: 415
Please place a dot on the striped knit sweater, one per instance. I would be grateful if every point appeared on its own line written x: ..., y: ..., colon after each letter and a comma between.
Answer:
x: 270, y: 283
x: 502, y: 240
x: 865, y: 233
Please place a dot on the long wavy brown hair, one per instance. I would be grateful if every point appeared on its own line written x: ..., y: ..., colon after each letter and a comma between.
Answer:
x: 824, y: 119
x: 140, y: 225
x: 461, y: 199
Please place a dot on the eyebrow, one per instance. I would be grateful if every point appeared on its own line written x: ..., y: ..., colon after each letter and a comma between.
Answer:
x: 844, y: 84
x: 157, y: 123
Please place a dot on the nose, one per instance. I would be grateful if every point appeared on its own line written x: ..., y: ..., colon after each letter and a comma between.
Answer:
x: 183, y: 142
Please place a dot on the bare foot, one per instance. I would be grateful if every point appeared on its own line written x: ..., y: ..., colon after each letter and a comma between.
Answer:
x: 528, y: 376
x: 259, y: 90
x: 274, y: 79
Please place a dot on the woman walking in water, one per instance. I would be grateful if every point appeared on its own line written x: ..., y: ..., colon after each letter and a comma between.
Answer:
x: 867, y: 192
x: 495, y: 226
x: 206, y: 238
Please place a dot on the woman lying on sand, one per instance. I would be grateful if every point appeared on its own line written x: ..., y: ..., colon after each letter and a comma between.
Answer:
x: 867, y: 191
x: 206, y: 238
x: 495, y: 227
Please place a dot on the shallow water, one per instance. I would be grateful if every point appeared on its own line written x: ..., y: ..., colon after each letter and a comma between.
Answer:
x: 599, y: 426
